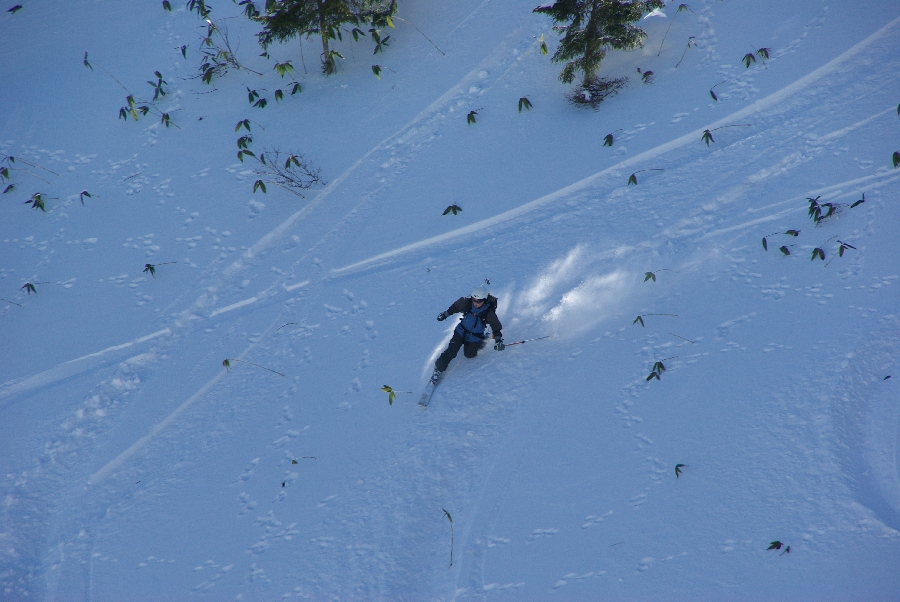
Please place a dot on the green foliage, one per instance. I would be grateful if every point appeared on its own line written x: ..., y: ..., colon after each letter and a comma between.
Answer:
x: 784, y: 250
x: 543, y: 46
x: 707, y: 134
x: 244, y: 123
x: 818, y: 252
x: 391, y: 394
x: 376, y: 69
x: 15, y: 9
x: 632, y: 179
x: 227, y: 363
x: 765, y: 242
x: 524, y: 103
x: 763, y: 53
x: 683, y: 7
x: 713, y: 94
x: 638, y: 320
x: 380, y: 43
x: 590, y: 28
x: 29, y: 288
x: 288, y: 19
x: 775, y: 545
x: 821, y: 211
x: 608, y: 141
x: 658, y: 369
x: 167, y: 5
x: 37, y: 201
x: 844, y: 246
x: 255, y: 99
x: 678, y: 468
x: 452, y: 209
x: 260, y: 185
x: 149, y: 267
x: 748, y: 58
x: 649, y: 276
x: 199, y: 7
x: 470, y: 118
x: 84, y: 193
x: 283, y: 68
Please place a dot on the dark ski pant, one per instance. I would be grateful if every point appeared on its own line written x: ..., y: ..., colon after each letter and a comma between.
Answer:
x: 470, y: 350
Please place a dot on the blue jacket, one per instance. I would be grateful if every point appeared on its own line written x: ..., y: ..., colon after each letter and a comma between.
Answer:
x: 472, y: 324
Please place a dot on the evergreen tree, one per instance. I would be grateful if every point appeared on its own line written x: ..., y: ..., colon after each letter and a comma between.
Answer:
x: 590, y: 28
x: 285, y: 19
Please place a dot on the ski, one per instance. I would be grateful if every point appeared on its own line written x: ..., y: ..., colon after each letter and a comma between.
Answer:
x: 426, y: 395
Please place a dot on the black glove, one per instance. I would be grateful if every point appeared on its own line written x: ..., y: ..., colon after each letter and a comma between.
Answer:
x: 442, y: 316
x: 498, y: 345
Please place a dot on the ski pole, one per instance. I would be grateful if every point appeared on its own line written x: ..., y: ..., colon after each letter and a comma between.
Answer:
x: 526, y: 341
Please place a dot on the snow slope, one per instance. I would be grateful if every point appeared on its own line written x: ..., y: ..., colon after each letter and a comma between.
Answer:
x: 134, y: 466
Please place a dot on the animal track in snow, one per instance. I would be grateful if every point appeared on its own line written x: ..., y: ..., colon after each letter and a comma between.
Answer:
x: 593, y: 521
x: 541, y: 534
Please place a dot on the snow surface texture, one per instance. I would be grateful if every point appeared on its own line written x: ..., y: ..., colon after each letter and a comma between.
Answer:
x: 134, y: 466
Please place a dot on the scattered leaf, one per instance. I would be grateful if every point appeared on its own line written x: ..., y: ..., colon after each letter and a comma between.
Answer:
x: 793, y: 232
x: 376, y: 69
x: 748, y: 58
x: 713, y: 94
x: 638, y: 320
x: 765, y: 244
x: 391, y: 394
x: 649, y: 275
x: 15, y: 9
x: 775, y: 545
x: 785, y: 250
x: 632, y: 179
x: 452, y: 208
x: 608, y: 140
x: 707, y: 137
x: 524, y: 103
x: 470, y: 118
x: 678, y: 468
x: 227, y: 364
x: 817, y: 252
x: 259, y: 184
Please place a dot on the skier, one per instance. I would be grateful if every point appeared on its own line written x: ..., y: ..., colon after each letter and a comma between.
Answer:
x: 478, y: 310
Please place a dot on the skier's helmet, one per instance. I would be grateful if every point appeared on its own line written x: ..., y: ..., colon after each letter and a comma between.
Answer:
x: 480, y: 293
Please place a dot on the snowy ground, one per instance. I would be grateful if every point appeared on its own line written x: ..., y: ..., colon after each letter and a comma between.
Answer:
x: 134, y: 466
